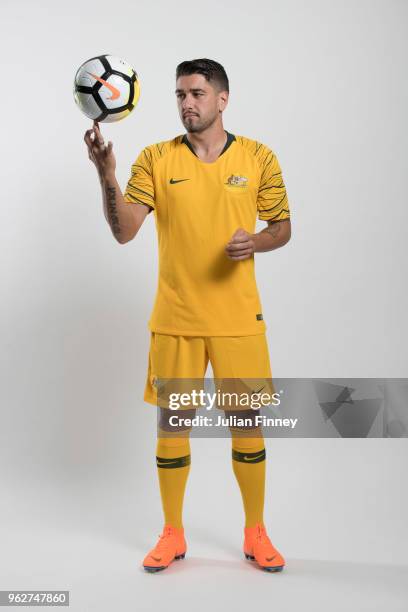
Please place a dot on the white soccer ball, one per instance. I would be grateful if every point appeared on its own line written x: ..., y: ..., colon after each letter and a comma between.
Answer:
x: 106, y: 88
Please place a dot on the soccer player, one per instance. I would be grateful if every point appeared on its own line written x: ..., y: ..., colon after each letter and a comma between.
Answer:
x: 205, y: 188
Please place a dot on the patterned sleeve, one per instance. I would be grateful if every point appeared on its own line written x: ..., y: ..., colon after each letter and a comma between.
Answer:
x: 140, y: 187
x: 272, y: 202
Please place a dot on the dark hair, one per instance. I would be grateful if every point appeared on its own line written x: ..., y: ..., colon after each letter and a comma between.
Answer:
x: 211, y: 70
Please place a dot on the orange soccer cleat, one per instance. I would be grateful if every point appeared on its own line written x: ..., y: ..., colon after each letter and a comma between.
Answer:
x: 259, y: 548
x: 170, y: 546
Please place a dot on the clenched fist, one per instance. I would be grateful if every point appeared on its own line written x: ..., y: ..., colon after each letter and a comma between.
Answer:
x: 241, y: 245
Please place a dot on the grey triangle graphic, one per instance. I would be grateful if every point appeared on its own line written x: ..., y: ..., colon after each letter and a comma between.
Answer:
x: 331, y: 397
x: 356, y: 420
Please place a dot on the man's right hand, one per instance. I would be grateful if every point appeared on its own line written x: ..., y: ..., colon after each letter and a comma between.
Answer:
x: 100, y: 153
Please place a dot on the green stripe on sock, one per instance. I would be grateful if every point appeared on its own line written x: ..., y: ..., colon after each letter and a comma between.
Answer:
x: 177, y: 462
x: 249, y: 457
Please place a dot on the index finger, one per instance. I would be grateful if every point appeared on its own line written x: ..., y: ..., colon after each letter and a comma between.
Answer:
x: 87, y: 137
x: 98, y: 132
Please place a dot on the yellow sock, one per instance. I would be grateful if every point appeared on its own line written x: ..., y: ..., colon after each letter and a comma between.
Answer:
x: 173, y: 467
x: 248, y: 463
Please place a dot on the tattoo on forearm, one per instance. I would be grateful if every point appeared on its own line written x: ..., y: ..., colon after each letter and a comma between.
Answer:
x: 273, y: 229
x: 112, y: 212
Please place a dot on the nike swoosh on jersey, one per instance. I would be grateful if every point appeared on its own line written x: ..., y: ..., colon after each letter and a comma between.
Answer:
x: 173, y: 181
x: 115, y: 92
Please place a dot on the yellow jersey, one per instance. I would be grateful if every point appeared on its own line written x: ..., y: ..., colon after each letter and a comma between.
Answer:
x: 197, y: 208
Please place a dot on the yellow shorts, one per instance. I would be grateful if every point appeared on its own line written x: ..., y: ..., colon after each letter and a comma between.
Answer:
x: 187, y: 357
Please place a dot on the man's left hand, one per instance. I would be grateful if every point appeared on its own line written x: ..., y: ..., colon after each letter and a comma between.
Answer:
x: 241, y: 245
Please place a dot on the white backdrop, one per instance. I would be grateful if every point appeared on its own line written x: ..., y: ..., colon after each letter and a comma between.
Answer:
x: 323, y: 84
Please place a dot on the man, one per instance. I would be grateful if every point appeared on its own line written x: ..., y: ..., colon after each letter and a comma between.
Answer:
x: 205, y: 188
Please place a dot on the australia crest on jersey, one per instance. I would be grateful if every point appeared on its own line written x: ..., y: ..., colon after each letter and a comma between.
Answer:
x: 237, y: 180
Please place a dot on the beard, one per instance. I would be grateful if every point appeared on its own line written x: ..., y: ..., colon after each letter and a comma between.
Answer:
x: 198, y: 124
